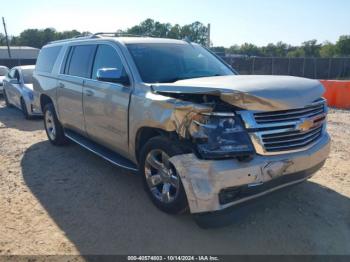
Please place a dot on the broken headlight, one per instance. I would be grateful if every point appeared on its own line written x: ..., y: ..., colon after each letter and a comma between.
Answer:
x: 221, y: 135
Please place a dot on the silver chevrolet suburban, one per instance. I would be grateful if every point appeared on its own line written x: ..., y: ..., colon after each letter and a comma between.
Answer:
x: 201, y: 136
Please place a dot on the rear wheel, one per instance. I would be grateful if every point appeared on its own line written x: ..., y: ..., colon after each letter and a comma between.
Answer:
x: 160, y: 178
x: 53, y: 127
x: 24, y: 109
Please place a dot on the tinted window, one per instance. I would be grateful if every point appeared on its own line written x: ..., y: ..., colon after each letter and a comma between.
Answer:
x: 12, y: 73
x: 106, y: 57
x: 165, y: 63
x: 80, y: 60
x: 27, y: 75
x: 47, y: 58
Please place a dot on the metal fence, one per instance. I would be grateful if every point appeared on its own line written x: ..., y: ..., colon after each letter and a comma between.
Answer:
x: 316, y: 68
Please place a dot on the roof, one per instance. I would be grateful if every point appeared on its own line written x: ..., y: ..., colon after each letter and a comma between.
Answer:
x: 18, y: 48
x: 19, y: 52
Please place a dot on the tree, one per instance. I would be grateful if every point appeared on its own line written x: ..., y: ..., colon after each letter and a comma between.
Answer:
x: 196, y: 32
x: 328, y: 50
x: 311, y: 48
x: 343, y: 45
x: 250, y: 50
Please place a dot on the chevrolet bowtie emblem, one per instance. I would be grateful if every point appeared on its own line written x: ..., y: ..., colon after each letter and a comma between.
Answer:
x: 305, y: 125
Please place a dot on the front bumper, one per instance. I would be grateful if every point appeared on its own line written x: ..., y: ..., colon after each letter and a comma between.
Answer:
x: 213, y: 185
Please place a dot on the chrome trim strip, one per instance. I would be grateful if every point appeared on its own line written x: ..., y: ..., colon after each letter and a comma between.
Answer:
x: 100, y: 155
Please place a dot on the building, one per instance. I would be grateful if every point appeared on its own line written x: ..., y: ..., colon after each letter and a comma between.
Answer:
x: 19, y: 52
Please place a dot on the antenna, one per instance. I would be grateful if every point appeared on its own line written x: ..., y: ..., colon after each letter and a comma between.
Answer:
x: 7, y: 39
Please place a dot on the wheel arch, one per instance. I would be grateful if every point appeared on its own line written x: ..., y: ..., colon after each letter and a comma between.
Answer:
x: 146, y: 133
x: 44, y: 100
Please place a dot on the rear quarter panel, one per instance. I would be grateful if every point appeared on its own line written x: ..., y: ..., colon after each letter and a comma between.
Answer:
x: 47, y: 83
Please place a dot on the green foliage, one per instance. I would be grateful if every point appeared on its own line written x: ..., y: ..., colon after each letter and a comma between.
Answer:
x: 196, y: 31
x: 328, y: 50
x: 308, y: 49
x: 343, y: 45
x: 37, y: 38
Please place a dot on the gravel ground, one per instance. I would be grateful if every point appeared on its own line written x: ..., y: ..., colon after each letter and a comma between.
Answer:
x: 65, y: 200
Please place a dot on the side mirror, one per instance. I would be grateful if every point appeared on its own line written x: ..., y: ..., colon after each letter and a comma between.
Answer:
x: 113, y: 75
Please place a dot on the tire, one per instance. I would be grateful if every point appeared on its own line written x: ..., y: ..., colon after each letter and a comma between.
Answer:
x: 175, y: 200
x: 24, y: 109
x: 53, y: 127
x: 7, y: 102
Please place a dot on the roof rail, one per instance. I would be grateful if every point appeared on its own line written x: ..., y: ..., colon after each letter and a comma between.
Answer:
x: 116, y: 34
x: 98, y: 35
x: 78, y: 37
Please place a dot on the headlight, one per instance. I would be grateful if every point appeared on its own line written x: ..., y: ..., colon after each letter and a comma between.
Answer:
x: 221, y: 135
x: 31, y: 95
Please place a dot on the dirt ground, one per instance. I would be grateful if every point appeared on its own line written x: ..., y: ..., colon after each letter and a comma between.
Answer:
x: 65, y: 200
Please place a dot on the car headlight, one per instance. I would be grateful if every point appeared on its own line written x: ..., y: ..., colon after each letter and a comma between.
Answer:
x: 31, y: 95
x: 221, y: 135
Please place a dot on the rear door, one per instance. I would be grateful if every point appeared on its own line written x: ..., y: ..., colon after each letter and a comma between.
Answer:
x: 12, y: 87
x: 77, y: 69
x: 106, y: 104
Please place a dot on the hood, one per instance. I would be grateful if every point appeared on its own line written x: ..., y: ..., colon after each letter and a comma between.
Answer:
x: 29, y: 86
x: 266, y: 93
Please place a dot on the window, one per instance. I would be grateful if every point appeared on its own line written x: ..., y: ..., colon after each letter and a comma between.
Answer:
x: 12, y: 73
x: 27, y: 75
x: 16, y: 75
x: 106, y: 57
x: 3, y: 71
x: 80, y: 60
x: 166, y: 63
x: 47, y: 59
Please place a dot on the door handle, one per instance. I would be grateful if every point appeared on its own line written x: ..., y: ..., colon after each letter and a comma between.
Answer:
x: 60, y: 85
x: 89, y: 92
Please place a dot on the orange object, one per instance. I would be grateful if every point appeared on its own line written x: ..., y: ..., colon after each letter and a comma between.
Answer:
x: 337, y: 93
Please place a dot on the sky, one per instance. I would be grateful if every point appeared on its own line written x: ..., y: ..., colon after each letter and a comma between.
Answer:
x: 232, y: 21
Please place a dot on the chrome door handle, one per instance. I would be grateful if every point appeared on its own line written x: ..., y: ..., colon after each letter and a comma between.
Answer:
x: 89, y: 92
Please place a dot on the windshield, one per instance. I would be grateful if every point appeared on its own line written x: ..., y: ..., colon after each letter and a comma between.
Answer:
x: 3, y: 71
x: 167, y: 63
x: 27, y: 76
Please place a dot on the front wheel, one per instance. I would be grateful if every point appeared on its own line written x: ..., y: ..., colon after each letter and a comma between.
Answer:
x: 160, y: 178
x: 53, y: 127
x: 24, y: 109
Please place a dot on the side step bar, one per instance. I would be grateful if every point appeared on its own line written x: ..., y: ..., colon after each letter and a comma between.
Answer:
x: 101, y: 151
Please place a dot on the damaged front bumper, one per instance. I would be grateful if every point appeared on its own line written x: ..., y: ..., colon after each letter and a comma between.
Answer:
x: 213, y: 185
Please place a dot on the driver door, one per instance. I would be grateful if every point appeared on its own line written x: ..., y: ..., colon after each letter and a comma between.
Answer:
x: 106, y: 104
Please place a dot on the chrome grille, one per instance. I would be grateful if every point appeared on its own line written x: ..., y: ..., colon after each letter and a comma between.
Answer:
x: 284, y: 131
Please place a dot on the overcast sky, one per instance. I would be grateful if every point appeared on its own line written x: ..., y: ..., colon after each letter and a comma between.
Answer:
x: 233, y: 21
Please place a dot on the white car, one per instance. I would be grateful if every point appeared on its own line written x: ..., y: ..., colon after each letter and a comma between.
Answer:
x: 18, y: 90
x: 3, y: 72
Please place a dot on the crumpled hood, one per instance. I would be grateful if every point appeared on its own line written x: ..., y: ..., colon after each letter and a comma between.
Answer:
x: 253, y: 92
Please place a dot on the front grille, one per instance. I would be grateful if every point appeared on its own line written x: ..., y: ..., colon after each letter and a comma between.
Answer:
x: 289, y: 115
x: 284, y: 131
x: 290, y: 140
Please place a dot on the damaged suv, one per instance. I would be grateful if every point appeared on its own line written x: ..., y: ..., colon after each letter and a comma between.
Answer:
x: 201, y: 136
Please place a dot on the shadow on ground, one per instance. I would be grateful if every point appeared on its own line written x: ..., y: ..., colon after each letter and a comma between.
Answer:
x: 104, y: 210
x: 12, y: 117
